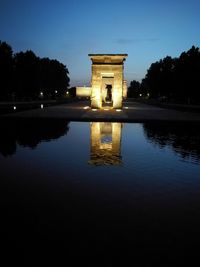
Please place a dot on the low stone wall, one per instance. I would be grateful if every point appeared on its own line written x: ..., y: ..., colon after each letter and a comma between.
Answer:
x: 83, y: 91
x: 13, y: 107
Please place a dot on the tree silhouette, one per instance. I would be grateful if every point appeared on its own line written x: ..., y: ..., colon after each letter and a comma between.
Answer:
x: 26, y: 76
x: 6, y: 70
x: 54, y: 78
x: 177, y: 79
x: 134, y: 89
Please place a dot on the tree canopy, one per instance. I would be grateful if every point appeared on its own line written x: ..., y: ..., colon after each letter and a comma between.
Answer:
x: 26, y: 76
x: 176, y: 79
x: 6, y: 69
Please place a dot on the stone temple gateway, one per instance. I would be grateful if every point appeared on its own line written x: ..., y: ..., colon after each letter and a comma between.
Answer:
x: 108, y: 84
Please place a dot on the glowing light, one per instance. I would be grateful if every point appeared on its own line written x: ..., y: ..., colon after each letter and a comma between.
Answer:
x: 83, y: 91
x: 67, y: 92
x: 126, y: 107
x: 148, y: 94
x: 56, y: 91
x: 41, y: 93
x: 96, y: 98
x: 94, y: 109
x: 87, y: 107
x: 106, y: 109
x: 14, y: 107
x: 140, y: 94
x: 118, y: 110
x: 105, y: 143
x: 41, y: 106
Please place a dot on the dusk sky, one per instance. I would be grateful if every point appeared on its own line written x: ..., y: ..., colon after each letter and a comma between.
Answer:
x: 147, y: 30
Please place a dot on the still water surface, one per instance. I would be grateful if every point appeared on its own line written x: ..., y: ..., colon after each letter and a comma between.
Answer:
x: 101, y: 193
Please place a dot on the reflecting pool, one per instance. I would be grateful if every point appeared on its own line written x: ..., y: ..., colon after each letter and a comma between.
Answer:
x: 100, y: 193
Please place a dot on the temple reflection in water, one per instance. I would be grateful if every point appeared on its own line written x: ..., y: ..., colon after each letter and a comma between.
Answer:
x: 105, y: 139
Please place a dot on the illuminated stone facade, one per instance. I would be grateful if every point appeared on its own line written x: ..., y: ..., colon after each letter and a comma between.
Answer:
x: 108, y: 85
x: 105, y: 143
x: 125, y: 89
x: 83, y: 91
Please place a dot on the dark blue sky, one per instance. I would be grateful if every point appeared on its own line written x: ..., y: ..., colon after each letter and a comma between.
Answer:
x: 68, y: 30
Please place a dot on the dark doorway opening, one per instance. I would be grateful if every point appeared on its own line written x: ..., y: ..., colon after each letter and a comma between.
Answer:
x: 108, y: 98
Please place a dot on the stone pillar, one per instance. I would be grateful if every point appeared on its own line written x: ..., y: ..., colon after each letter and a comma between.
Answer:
x: 96, y: 89
x: 117, y: 90
x: 125, y: 89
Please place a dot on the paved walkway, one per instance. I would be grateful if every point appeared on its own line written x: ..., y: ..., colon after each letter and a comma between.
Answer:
x: 131, y: 112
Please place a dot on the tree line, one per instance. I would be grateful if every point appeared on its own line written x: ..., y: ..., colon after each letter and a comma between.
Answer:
x: 25, y: 76
x: 171, y: 79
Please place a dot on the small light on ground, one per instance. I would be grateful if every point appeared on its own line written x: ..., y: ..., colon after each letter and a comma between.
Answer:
x: 106, y: 109
x: 118, y: 110
x: 41, y: 106
x: 41, y: 93
x: 140, y: 94
x: 126, y: 107
x: 67, y: 92
x: 56, y: 91
x: 14, y: 107
x: 94, y: 109
x: 87, y: 107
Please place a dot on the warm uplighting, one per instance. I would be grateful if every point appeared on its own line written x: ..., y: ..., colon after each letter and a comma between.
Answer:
x: 14, y: 107
x: 96, y: 98
x: 87, y: 107
x: 118, y: 110
x: 41, y: 106
x: 106, y: 109
x: 117, y: 100
x: 94, y: 109
x: 107, y: 81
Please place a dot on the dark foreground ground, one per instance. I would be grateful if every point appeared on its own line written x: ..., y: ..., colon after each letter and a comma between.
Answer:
x: 131, y: 112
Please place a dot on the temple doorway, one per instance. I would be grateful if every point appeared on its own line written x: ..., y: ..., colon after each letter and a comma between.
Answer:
x: 108, y: 98
x: 107, y: 91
